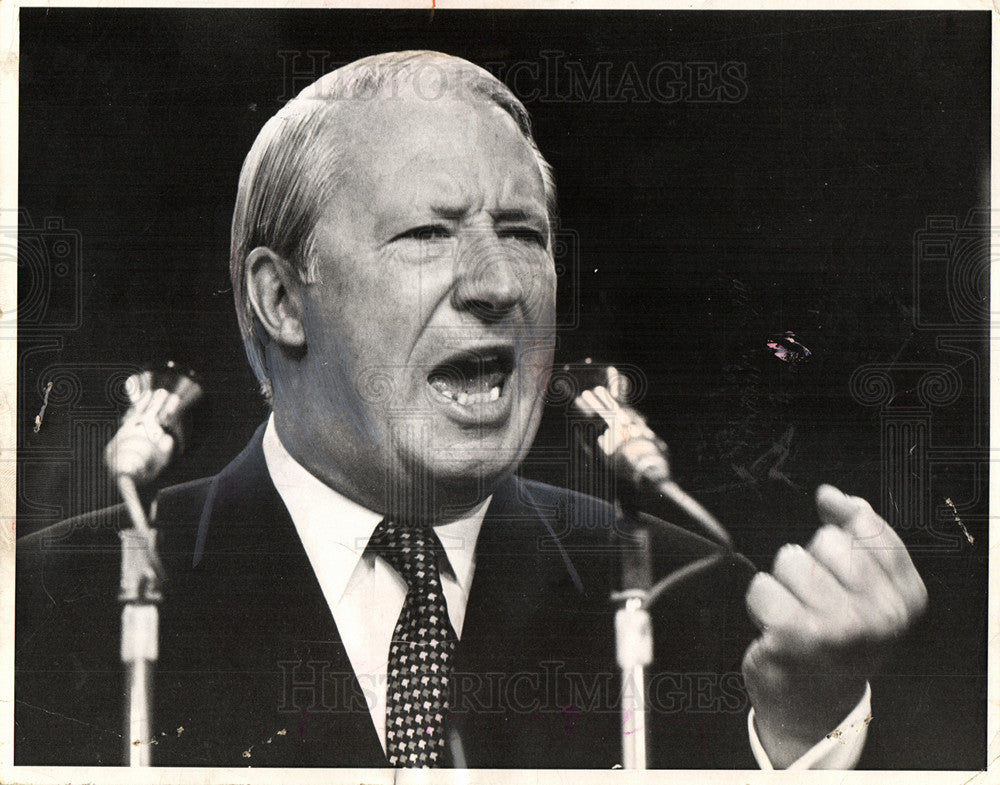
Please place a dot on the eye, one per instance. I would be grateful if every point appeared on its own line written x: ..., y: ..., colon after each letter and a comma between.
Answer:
x: 527, y: 235
x: 425, y: 233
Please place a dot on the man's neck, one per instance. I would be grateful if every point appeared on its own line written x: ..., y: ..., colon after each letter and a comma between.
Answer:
x: 406, y: 503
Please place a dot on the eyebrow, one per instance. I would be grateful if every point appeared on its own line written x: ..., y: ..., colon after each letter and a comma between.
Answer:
x: 451, y: 212
x: 455, y: 212
x: 516, y: 214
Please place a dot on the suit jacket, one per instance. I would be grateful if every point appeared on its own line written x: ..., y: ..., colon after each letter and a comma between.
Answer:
x: 252, y: 671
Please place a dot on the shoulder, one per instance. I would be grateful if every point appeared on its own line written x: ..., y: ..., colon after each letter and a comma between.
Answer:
x: 175, y: 509
x: 591, y: 536
x: 63, y: 564
x: 580, y: 518
x: 98, y: 529
x: 704, y: 597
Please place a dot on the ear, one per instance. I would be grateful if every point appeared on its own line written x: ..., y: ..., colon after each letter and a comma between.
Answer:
x: 275, y: 293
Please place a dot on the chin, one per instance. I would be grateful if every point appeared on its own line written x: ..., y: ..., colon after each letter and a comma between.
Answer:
x: 467, y: 469
x: 466, y: 489
x: 471, y: 470
x: 461, y: 462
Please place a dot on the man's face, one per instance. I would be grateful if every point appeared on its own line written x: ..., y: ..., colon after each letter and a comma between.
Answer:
x: 429, y: 334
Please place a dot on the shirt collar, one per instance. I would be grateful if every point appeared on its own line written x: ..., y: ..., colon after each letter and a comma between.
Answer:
x: 329, y: 522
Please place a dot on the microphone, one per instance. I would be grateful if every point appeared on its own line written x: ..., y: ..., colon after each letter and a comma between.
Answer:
x: 637, y: 455
x: 150, y: 433
x: 152, y: 429
x: 638, y: 458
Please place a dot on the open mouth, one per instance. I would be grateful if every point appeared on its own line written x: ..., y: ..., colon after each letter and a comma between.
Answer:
x: 471, y: 378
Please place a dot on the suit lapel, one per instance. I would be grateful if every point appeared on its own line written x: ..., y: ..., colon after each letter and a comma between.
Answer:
x: 507, y: 578
x: 244, y: 605
x: 533, y: 634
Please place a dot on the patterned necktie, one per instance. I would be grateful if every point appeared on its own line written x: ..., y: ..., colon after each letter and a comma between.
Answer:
x: 423, y: 646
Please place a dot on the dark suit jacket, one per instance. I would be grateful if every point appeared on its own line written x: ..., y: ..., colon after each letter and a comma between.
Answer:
x: 252, y: 671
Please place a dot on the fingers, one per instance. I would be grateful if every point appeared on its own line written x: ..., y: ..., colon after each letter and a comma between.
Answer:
x: 827, y: 613
x: 807, y: 613
x: 771, y: 605
x: 856, y: 516
x: 789, y: 630
x: 866, y: 537
x: 808, y: 578
x: 839, y: 594
x: 870, y: 588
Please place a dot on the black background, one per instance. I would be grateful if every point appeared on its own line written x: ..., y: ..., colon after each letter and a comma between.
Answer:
x: 696, y: 229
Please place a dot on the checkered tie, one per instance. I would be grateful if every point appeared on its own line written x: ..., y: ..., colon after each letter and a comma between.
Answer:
x: 423, y: 646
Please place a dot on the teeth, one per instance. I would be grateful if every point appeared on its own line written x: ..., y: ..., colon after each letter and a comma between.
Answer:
x: 467, y: 399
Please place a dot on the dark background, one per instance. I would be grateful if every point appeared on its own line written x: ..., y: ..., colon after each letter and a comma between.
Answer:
x: 694, y: 230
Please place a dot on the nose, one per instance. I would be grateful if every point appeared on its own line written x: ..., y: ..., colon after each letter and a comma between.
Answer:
x: 488, y: 279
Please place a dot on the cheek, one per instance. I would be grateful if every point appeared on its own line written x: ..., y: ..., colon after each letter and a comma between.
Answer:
x: 382, y: 333
x: 537, y: 366
x: 540, y: 293
x: 374, y: 306
x: 399, y: 291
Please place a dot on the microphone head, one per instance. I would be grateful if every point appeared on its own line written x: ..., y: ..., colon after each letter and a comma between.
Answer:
x: 626, y: 383
x: 153, y: 429
x: 616, y: 434
x: 637, y: 457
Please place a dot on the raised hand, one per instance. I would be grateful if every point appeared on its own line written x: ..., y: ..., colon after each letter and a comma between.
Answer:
x: 828, y: 614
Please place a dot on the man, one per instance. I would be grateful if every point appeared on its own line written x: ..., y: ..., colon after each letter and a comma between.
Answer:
x: 368, y: 584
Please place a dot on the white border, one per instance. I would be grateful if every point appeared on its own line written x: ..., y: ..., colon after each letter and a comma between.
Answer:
x: 9, y: 56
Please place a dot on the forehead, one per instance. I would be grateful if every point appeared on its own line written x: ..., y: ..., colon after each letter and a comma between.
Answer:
x: 401, y: 150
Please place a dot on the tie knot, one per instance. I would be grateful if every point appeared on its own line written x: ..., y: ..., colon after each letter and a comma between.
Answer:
x: 412, y: 550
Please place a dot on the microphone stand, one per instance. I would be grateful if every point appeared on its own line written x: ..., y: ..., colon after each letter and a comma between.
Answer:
x: 143, y: 446
x: 638, y: 459
x: 139, y: 593
x: 634, y: 629
x: 634, y: 640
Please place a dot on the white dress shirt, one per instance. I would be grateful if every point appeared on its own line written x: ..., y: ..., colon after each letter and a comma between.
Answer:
x: 366, y: 594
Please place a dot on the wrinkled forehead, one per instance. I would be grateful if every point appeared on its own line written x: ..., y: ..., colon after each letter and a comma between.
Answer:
x: 451, y: 157
x: 404, y: 130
